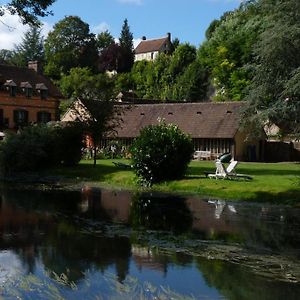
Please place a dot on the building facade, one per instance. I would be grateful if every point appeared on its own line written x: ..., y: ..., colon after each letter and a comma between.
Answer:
x: 26, y: 97
x: 150, y: 49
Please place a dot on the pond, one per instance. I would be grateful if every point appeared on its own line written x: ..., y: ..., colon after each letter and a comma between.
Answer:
x: 105, y: 244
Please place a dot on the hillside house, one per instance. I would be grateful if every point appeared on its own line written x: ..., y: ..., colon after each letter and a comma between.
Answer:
x: 26, y: 97
x: 150, y: 49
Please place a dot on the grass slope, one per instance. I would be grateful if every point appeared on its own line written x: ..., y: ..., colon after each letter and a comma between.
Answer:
x: 279, y: 183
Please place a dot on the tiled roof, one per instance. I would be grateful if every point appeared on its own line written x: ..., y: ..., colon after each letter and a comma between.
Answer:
x: 200, y: 120
x: 150, y: 45
x: 21, y: 75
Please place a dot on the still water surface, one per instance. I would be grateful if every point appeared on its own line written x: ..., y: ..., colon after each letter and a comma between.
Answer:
x: 104, y: 244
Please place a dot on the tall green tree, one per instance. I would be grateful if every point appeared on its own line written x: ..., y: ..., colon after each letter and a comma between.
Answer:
x: 31, y: 47
x: 126, y: 44
x: 99, y: 116
x: 274, y: 94
x: 229, y: 49
x: 69, y: 45
x: 104, y: 40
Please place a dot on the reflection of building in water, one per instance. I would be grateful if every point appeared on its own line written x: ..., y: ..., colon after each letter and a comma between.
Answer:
x: 212, y: 216
x: 115, y: 203
x: 144, y: 257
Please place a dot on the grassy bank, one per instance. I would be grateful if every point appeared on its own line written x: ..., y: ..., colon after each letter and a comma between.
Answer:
x: 279, y: 183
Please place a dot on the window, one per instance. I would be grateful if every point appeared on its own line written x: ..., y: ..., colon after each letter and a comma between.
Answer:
x: 11, y: 87
x: 43, y: 117
x: 26, y: 88
x: 42, y: 89
x: 44, y: 94
x: 12, y: 91
x: 20, y: 117
x: 28, y: 92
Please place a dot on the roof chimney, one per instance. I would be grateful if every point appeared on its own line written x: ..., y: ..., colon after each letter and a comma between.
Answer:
x: 35, y: 65
x: 143, y: 38
x: 169, y: 36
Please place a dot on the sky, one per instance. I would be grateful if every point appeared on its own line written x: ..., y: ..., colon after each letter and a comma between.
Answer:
x: 186, y: 20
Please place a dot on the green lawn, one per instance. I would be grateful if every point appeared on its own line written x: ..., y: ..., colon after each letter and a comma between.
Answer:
x: 279, y: 183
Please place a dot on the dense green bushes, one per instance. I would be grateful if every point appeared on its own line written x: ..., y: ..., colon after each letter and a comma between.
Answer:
x: 40, y: 147
x: 161, y: 152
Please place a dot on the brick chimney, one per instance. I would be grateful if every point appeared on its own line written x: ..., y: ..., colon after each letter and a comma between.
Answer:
x: 169, y: 36
x: 35, y: 65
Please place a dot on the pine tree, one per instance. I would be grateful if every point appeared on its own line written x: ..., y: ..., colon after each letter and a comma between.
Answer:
x: 31, y: 47
x: 126, y: 44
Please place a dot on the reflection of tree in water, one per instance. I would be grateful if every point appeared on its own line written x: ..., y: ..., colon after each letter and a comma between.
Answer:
x: 271, y: 227
x: 74, y: 253
x: 159, y: 212
x: 236, y: 282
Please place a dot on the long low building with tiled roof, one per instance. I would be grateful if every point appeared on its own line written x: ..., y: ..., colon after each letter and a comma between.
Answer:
x: 213, y: 127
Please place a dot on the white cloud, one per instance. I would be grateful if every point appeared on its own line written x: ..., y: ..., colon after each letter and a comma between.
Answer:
x: 12, y: 31
x: 137, y: 2
x: 100, y: 27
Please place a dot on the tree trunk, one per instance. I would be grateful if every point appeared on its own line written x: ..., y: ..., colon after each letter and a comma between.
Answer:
x: 94, y: 155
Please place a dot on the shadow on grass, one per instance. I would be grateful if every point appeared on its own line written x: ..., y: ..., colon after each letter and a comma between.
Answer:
x: 195, y: 170
x: 88, y: 171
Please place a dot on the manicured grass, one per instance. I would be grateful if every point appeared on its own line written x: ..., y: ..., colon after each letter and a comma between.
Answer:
x: 279, y: 182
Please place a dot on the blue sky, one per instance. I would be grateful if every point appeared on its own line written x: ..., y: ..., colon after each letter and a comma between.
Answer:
x: 185, y: 19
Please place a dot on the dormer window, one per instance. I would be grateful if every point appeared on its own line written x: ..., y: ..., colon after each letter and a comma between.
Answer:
x: 42, y: 89
x: 27, y: 89
x: 11, y: 87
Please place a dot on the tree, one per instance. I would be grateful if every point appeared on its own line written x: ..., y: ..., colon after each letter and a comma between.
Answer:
x: 274, y: 94
x: 75, y: 83
x: 104, y: 40
x: 28, y: 10
x: 110, y: 58
x: 69, y: 45
x: 96, y: 108
x: 6, y: 56
x: 31, y: 47
x: 229, y: 49
x: 126, y: 44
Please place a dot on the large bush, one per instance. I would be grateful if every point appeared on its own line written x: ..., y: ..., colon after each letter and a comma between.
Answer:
x: 40, y: 147
x: 161, y: 152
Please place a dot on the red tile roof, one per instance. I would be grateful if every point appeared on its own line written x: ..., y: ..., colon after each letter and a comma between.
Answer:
x: 200, y: 120
x: 150, y: 45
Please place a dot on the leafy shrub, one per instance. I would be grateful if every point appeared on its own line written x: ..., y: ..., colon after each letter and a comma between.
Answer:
x: 69, y: 144
x: 39, y: 147
x: 161, y: 152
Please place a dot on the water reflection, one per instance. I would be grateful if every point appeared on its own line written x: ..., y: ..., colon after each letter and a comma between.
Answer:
x: 76, y: 239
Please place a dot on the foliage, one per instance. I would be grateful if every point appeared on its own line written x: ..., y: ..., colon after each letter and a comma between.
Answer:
x: 75, y: 83
x: 126, y: 44
x: 70, y: 44
x: 98, y: 115
x: 110, y: 58
x: 161, y: 152
x: 274, y: 94
x: 30, y: 49
x: 229, y: 49
x: 40, y: 147
x: 28, y: 10
x: 180, y: 76
x: 104, y: 40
